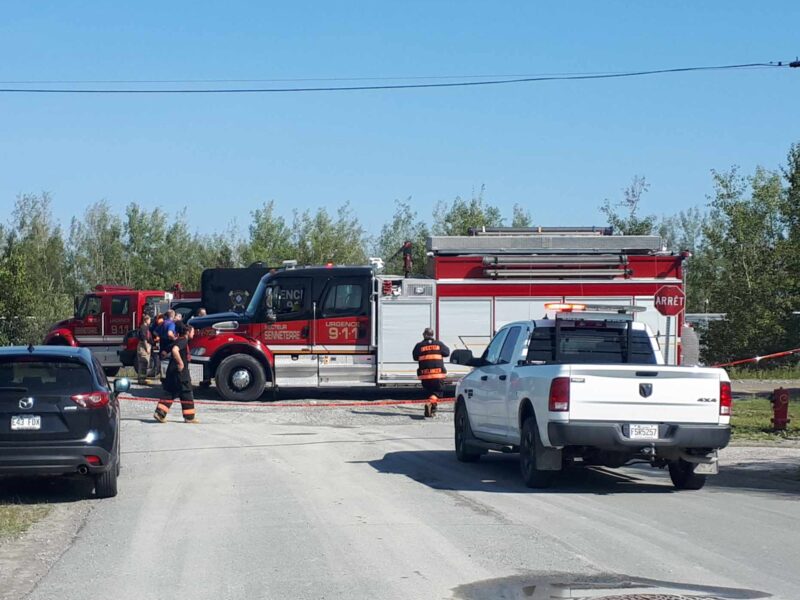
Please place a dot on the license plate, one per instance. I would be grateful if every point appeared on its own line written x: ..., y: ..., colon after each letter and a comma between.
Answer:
x: 643, y: 432
x: 26, y: 423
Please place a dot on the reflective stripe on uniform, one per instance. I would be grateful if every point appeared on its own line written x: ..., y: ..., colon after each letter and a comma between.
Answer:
x: 430, y: 357
x: 433, y: 376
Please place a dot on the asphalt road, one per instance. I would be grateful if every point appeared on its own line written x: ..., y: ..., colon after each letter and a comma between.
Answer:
x: 369, y: 502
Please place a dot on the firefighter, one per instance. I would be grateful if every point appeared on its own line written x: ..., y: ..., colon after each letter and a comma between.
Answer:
x: 178, y: 383
x: 144, y: 349
x: 430, y: 353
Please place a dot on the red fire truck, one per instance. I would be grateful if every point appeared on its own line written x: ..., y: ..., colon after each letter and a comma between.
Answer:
x: 102, y: 319
x: 353, y: 326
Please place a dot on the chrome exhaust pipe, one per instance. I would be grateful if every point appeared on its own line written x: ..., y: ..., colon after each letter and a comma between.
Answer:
x: 83, y: 469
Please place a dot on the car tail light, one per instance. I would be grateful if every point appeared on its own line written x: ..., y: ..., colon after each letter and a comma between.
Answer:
x: 559, y: 394
x: 93, y: 460
x: 92, y: 399
x: 725, y: 398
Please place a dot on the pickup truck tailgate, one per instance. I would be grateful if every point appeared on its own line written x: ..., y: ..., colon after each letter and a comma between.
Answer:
x: 641, y: 393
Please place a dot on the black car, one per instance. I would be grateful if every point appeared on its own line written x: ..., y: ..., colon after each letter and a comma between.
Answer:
x: 59, y: 415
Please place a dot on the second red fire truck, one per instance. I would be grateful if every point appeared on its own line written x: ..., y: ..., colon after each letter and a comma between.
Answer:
x: 354, y: 326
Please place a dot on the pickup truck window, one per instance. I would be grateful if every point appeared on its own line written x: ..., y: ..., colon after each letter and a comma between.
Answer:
x: 591, y: 345
x: 507, y: 353
x: 492, y: 354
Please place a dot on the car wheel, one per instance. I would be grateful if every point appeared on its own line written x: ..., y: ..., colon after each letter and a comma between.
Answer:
x: 241, y: 378
x: 531, y: 475
x: 463, y: 433
x: 105, y: 484
x: 683, y: 476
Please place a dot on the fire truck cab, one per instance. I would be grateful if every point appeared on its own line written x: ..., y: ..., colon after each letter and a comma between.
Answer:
x: 353, y: 326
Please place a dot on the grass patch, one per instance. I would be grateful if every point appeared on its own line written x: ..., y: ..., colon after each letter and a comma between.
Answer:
x: 751, y: 420
x: 785, y: 372
x: 16, y: 518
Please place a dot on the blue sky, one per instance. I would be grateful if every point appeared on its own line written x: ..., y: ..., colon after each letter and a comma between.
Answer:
x: 558, y: 148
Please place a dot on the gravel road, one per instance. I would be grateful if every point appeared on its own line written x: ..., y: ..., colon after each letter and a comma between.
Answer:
x: 369, y: 502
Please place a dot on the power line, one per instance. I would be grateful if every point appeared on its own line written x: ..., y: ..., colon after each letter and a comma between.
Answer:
x: 499, y: 80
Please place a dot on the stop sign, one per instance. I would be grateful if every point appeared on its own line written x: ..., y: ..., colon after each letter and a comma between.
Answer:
x: 670, y: 300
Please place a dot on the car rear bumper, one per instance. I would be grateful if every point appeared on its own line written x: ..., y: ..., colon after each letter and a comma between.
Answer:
x: 614, y: 436
x: 52, y: 460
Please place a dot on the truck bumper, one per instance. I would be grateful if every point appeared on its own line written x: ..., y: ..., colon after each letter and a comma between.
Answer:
x: 614, y: 436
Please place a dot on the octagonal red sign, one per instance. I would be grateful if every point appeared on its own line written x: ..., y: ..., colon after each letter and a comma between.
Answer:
x: 670, y: 300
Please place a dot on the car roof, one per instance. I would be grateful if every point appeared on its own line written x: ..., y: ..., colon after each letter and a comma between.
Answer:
x: 52, y: 351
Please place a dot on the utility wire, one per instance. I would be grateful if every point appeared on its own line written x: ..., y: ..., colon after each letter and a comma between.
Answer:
x: 401, y: 86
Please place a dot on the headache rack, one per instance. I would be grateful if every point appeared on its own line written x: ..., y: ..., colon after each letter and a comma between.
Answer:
x: 596, y: 315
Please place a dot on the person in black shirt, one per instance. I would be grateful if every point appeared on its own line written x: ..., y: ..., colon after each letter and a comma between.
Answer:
x: 430, y: 353
x: 178, y: 382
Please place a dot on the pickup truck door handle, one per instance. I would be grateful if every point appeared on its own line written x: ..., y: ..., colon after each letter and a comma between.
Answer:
x: 502, y: 378
x: 484, y: 377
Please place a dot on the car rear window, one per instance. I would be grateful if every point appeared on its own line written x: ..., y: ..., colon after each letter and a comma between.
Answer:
x: 591, y: 345
x: 39, y: 375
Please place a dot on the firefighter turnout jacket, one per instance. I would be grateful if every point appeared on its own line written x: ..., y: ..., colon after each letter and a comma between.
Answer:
x: 430, y: 354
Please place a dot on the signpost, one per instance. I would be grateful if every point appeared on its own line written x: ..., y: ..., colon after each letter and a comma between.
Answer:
x: 670, y: 302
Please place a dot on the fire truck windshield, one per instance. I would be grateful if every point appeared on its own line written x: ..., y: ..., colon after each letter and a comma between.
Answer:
x: 90, y: 305
x: 258, y: 297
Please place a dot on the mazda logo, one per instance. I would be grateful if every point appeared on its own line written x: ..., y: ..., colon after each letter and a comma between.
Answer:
x: 26, y: 403
x: 645, y: 389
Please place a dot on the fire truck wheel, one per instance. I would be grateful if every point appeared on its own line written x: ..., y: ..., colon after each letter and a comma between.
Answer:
x: 463, y: 433
x: 111, y: 371
x: 533, y: 477
x: 241, y: 378
x: 683, y: 476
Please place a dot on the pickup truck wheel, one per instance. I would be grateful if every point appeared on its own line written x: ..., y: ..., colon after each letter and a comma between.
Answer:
x: 533, y: 477
x: 240, y: 378
x: 463, y: 433
x: 683, y: 477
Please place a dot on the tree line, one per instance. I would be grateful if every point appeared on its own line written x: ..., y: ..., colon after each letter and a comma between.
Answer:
x: 745, y: 245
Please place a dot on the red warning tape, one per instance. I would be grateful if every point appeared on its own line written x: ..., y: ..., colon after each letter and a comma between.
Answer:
x: 295, y: 405
x: 757, y: 359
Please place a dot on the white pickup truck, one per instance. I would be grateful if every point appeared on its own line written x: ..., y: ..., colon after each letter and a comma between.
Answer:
x: 590, y: 386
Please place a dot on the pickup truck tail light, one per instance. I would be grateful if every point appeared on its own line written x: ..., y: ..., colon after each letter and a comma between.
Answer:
x: 725, y: 398
x: 559, y: 395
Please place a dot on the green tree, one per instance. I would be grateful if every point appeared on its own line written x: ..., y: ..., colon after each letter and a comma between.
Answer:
x: 270, y: 237
x: 457, y: 218
x: 404, y: 226
x: 320, y: 238
x: 623, y: 216
x: 745, y: 235
x: 34, y: 277
x: 97, y: 250
x: 521, y: 217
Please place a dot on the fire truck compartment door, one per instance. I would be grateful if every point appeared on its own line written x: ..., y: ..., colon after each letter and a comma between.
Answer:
x: 296, y: 370
x: 400, y: 325
x: 465, y: 324
x: 346, y: 369
x: 508, y: 310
